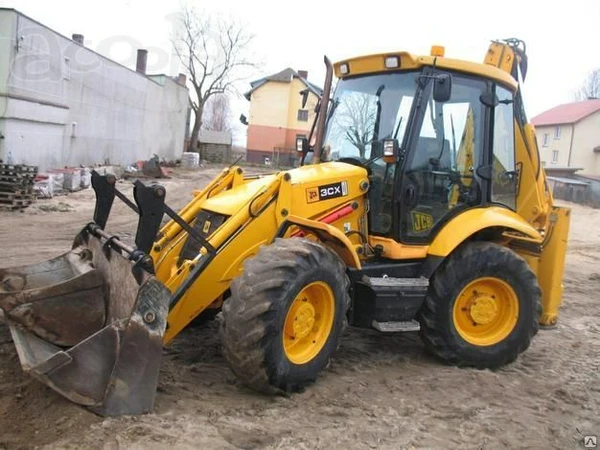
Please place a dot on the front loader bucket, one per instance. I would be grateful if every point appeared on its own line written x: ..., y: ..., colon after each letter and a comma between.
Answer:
x: 83, y: 325
x: 90, y: 323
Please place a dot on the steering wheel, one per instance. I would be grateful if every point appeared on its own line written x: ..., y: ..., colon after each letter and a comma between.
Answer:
x: 356, y: 162
x: 506, y: 177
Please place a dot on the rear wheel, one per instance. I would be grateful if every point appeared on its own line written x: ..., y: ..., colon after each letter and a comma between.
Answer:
x: 482, y: 308
x: 285, y: 315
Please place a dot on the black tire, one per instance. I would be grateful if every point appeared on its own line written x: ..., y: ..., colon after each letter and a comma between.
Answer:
x: 254, y: 315
x: 476, y: 260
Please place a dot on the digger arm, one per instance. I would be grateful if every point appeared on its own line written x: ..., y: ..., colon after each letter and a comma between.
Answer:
x: 534, y: 200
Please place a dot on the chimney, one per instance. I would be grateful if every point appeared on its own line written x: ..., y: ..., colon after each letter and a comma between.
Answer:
x: 303, y: 74
x: 181, y: 79
x: 78, y: 38
x: 142, y: 59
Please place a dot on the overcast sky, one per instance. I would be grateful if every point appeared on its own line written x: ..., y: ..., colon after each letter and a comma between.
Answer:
x: 562, y: 37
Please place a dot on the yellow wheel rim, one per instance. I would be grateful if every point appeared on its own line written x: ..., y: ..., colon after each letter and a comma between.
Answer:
x: 308, y: 322
x: 486, y: 311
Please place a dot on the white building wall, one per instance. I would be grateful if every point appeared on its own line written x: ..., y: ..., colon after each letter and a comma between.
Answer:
x: 585, y: 139
x: 67, y: 105
x: 548, y: 143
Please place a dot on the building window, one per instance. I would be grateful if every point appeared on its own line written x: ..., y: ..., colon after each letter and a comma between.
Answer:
x: 545, y: 140
x: 557, y: 133
x: 303, y: 115
x: 554, y: 156
x: 67, y: 69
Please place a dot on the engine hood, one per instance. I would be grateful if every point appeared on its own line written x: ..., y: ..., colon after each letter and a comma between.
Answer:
x: 229, y: 202
x: 326, y: 172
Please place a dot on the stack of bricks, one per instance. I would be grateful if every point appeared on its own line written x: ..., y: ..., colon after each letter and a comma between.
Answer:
x: 16, y: 186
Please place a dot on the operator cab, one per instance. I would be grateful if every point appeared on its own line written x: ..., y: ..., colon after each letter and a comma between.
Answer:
x: 455, y: 150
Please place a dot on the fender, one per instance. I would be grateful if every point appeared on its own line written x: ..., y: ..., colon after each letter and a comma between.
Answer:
x: 328, y: 235
x: 470, y: 222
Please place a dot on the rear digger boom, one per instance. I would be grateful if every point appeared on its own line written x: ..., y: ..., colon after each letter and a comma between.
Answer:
x: 435, y: 216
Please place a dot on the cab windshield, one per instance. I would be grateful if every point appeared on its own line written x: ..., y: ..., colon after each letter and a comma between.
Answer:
x: 367, y: 110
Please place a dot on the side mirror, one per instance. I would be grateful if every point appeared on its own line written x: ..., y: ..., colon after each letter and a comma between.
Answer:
x: 304, y: 95
x: 489, y: 99
x: 442, y: 87
x: 391, y: 150
x: 301, y: 145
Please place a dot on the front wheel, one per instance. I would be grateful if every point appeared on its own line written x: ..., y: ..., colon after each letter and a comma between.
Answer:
x: 482, y: 308
x: 285, y: 315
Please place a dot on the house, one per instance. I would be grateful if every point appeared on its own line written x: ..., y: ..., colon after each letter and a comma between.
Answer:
x: 63, y: 104
x: 569, y: 136
x: 277, y: 116
x: 215, y: 146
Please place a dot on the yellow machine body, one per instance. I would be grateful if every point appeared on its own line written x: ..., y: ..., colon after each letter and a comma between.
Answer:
x: 191, y: 266
x: 537, y: 230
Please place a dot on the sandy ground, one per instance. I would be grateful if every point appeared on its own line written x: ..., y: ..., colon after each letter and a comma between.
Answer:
x: 381, y: 391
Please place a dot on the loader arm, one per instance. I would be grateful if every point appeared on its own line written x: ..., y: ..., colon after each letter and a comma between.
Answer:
x: 237, y: 215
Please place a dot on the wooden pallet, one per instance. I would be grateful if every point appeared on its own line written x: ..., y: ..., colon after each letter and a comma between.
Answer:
x: 10, y: 207
x: 4, y: 207
x: 18, y: 168
x: 18, y: 178
x: 15, y: 204
x: 16, y: 186
x: 6, y: 196
x: 13, y: 173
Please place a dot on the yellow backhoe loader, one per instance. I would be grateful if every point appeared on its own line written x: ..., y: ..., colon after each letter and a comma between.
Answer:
x: 419, y: 203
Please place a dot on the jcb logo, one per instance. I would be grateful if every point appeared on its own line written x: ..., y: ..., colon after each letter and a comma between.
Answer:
x: 312, y: 195
x: 421, y: 221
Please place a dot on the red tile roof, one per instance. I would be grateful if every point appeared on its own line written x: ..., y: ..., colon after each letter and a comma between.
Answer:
x: 567, y: 113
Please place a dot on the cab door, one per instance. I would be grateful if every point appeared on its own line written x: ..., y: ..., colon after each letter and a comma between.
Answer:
x: 440, y: 176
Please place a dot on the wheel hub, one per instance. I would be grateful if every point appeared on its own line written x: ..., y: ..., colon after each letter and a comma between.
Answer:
x: 483, y: 310
x: 308, y: 322
x: 304, y: 320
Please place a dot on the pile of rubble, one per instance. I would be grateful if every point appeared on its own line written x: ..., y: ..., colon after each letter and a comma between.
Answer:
x: 151, y: 168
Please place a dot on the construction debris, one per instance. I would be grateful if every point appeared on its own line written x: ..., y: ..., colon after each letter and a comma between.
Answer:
x: 190, y: 160
x: 62, y: 181
x: 16, y: 186
x: 47, y: 185
x: 152, y: 168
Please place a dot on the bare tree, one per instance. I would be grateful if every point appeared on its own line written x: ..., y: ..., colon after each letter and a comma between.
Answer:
x: 217, y: 113
x: 590, y: 88
x: 215, y: 53
x: 356, y: 119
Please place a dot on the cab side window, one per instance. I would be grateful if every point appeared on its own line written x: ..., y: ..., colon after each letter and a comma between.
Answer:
x: 504, y: 174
